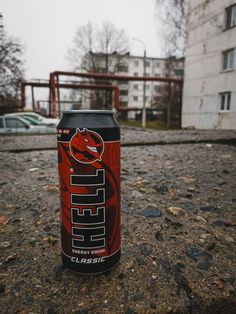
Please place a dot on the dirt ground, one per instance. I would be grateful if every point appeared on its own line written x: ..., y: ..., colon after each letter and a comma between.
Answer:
x: 178, y: 235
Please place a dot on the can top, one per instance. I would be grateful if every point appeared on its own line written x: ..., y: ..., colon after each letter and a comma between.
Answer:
x: 90, y: 111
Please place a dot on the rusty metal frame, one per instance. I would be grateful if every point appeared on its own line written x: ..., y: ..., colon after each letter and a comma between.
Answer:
x: 54, y: 79
x: 55, y: 85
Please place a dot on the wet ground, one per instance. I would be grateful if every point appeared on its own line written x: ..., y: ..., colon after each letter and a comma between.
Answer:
x: 178, y: 235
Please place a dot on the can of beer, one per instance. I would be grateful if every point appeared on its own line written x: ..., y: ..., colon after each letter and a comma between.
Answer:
x: 89, y: 179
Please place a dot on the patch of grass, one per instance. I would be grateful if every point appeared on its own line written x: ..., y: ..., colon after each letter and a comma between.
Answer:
x: 156, y: 124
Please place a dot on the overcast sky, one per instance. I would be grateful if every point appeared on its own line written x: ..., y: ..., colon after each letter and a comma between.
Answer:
x: 47, y: 27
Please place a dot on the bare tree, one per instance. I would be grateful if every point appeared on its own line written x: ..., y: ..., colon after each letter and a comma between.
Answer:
x: 172, y: 18
x: 98, y: 49
x: 11, y: 69
x: 167, y: 97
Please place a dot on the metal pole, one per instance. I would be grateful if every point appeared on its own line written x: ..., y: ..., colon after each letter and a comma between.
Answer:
x: 168, y: 106
x: 144, y: 92
x: 22, y: 95
x: 33, y: 100
x: 144, y: 83
x: 58, y: 98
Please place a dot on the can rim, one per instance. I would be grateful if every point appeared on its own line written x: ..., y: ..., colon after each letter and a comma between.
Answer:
x: 89, y: 111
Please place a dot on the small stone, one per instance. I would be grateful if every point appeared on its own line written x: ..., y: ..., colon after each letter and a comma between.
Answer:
x: 2, y: 287
x: 201, y: 219
x: 163, y: 189
x: 197, y: 254
x: 33, y: 169
x: 175, y: 211
x: 184, y: 194
x: 223, y: 237
x: 193, y: 252
x: 219, y: 223
x: 129, y: 311
x: 125, y: 208
x: 141, y: 171
x: 50, y: 239
x: 225, y: 171
x: 5, y: 245
x: 159, y: 236
x: 52, y: 188
x: 11, y: 258
x: 136, y: 194
x: 52, y: 309
x: 205, y: 263
x: 210, y: 246
x: 217, y: 283
x: 57, y: 271
x: 145, y: 249
x: 222, y: 182
x: 173, y: 222
x: 208, y: 208
x: 150, y: 212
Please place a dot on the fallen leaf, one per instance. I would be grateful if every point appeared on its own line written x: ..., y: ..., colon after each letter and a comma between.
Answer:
x: 4, y: 220
x: 51, y: 188
x: 175, y: 211
x: 231, y: 223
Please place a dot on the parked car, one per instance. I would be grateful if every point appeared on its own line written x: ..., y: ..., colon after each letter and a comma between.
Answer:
x: 36, y: 117
x: 150, y: 116
x: 13, y: 125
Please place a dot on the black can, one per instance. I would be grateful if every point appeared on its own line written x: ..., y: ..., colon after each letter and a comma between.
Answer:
x: 89, y: 178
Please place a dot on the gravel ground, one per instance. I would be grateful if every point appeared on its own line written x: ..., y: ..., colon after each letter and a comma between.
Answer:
x: 129, y: 136
x: 178, y: 235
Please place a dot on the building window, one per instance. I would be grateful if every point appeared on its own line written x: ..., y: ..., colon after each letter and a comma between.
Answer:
x: 123, y: 68
x: 147, y: 74
x: 157, y: 75
x: 147, y: 64
x: 230, y: 13
x: 228, y: 59
x: 135, y: 73
x: 157, y: 64
x: 136, y: 63
x: 123, y: 92
x: 135, y: 98
x: 225, y: 101
x: 123, y: 82
x: 147, y: 87
x: 136, y: 86
x: 124, y: 104
x: 156, y: 88
x: 146, y: 98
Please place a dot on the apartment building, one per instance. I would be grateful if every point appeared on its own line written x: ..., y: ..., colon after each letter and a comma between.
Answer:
x: 131, y: 92
x: 209, y: 98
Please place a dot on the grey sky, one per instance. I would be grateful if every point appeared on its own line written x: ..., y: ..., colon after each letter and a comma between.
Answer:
x: 47, y: 27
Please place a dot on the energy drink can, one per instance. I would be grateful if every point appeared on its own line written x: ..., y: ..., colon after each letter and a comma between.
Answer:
x: 89, y: 178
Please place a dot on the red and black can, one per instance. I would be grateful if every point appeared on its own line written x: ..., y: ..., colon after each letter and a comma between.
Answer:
x: 89, y: 175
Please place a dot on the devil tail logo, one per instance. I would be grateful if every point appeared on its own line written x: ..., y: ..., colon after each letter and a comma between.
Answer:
x: 86, y: 146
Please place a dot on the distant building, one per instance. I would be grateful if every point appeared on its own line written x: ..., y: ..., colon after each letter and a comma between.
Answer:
x: 131, y: 92
x: 209, y: 98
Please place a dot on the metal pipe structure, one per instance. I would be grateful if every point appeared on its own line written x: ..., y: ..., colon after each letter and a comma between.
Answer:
x: 53, y: 85
x: 111, y: 77
x: 114, y: 77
